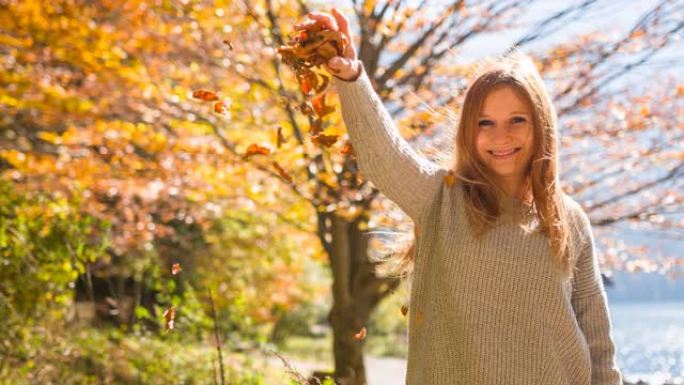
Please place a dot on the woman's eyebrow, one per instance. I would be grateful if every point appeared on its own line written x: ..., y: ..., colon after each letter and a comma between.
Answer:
x: 512, y: 113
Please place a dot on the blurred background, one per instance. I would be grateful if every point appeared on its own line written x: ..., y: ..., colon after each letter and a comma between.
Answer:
x: 151, y: 237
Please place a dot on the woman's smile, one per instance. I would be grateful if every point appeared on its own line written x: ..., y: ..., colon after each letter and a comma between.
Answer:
x: 503, y: 155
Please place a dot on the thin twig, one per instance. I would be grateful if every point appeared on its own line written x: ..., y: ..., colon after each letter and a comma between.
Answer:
x: 218, y: 338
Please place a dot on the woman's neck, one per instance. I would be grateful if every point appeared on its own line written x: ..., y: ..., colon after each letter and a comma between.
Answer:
x: 517, y: 188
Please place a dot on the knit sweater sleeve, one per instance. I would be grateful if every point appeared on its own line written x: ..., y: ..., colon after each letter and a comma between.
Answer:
x: 383, y: 155
x: 590, y: 303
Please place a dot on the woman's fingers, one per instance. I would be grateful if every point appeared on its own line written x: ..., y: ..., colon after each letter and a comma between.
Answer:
x: 305, y: 24
x: 325, y: 18
x: 342, y: 22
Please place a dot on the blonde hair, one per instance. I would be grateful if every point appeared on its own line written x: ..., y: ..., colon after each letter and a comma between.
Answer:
x: 480, y: 187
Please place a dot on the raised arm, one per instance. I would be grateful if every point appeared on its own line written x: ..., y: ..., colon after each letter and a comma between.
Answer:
x: 590, y: 304
x: 383, y: 155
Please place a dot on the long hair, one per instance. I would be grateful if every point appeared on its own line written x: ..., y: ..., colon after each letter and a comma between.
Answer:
x: 481, y: 191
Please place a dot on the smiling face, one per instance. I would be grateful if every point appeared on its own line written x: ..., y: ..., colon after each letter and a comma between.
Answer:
x: 505, y: 125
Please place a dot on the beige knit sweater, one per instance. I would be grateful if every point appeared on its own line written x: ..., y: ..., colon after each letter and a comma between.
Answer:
x: 494, y: 311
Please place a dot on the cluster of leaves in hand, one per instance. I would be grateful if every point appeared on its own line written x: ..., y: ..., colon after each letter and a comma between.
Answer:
x: 307, y: 49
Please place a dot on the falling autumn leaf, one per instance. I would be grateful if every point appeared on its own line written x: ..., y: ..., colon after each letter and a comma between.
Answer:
x: 229, y: 44
x: 316, y: 127
x: 361, y: 334
x: 324, y: 140
x: 318, y: 103
x: 283, y: 174
x: 449, y: 179
x: 207, y: 96
x: 169, y: 316
x: 255, y: 149
x: 220, y: 107
x: 404, y: 309
x: 280, y: 138
x: 176, y: 268
x: 347, y: 149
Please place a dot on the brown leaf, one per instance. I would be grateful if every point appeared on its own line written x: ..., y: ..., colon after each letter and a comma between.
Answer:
x: 404, y: 310
x: 176, y: 268
x: 324, y: 140
x: 220, y: 107
x: 449, y: 179
x: 316, y: 127
x: 347, y: 149
x: 283, y: 174
x: 281, y: 138
x: 229, y: 44
x: 318, y: 103
x: 361, y: 334
x: 207, y: 96
x: 255, y: 149
x: 169, y: 316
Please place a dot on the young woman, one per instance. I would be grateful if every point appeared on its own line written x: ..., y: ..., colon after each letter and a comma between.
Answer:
x: 505, y: 286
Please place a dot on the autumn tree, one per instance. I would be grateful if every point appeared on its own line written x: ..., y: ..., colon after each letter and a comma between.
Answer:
x: 96, y: 103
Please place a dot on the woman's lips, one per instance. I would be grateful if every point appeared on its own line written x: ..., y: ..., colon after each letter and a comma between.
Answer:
x: 509, y: 155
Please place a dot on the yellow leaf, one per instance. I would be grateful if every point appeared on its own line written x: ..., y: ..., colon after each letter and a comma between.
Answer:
x: 50, y: 137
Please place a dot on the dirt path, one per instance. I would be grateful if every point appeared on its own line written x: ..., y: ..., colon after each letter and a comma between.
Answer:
x: 380, y: 370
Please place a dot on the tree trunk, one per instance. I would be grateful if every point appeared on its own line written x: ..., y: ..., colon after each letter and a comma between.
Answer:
x: 356, y: 292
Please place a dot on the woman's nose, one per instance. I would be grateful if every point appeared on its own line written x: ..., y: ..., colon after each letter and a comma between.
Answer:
x: 500, y: 131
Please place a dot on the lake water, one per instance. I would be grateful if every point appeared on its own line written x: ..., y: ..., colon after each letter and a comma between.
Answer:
x: 649, y: 337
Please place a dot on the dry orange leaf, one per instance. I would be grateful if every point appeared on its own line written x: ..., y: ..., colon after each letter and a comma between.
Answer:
x: 449, y: 179
x: 281, y: 138
x: 283, y: 174
x: 169, y: 316
x: 404, y: 309
x: 255, y: 149
x: 361, y: 334
x: 324, y: 140
x: 347, y: 149
x: 220, y: 107
x: 207, y: 96
x: 176, y: 268
x: 318, y: 103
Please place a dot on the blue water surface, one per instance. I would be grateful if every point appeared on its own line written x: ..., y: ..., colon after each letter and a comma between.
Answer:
x: 649, y: 337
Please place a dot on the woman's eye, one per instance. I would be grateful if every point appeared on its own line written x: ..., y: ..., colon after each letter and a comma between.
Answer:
x: 483, y: 123
x: 518, y: 119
